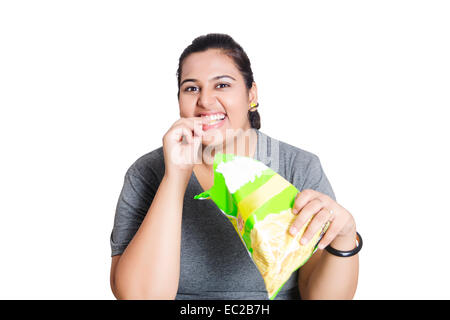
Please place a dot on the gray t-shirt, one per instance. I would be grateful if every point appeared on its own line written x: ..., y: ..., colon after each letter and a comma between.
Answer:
x: 214, y: 262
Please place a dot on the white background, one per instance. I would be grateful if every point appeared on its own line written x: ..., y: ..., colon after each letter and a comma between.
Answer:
x: 86, y: 87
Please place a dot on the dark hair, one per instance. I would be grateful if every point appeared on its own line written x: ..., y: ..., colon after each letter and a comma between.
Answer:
x: 230, y: 48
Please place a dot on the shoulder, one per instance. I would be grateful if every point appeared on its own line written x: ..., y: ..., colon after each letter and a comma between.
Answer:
x: 293, y: 160
x: 302, y: 168
x: 148, y: 167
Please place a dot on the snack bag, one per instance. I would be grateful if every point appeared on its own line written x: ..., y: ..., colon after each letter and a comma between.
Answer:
x: 258, y: 202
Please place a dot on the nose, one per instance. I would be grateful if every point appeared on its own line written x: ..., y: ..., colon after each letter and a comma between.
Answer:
x: 207, y: 99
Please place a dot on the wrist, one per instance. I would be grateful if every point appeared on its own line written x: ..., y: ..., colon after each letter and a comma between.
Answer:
x: 342, y: 243
x: 177, y: 180
x: 345, y: 242
x: 178, y: 174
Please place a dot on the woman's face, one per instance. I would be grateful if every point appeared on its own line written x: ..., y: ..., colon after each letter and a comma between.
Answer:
x: 212, y: 85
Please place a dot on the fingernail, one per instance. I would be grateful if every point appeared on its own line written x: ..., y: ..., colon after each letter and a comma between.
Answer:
x: 304, y: 241
x: 293, y: 230
x: 321, y: 246
x: 294, y: 211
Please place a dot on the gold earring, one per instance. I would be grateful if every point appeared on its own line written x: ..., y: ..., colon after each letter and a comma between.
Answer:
x: 253, y: 106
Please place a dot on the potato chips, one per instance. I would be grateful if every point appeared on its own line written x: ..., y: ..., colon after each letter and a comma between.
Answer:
x: 258, y: 202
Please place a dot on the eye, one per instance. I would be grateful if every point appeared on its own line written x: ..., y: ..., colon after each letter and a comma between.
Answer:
x: 223, y: 84
x: 188, y: 89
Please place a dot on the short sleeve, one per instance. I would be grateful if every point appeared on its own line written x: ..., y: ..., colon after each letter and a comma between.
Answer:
x: 134, y: 201
x: 316, y: 179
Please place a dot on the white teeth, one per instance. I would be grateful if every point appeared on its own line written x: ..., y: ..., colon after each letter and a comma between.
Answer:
x: 215, y: 117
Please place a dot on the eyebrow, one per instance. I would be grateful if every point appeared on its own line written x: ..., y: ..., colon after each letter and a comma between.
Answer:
x: 215, y: 78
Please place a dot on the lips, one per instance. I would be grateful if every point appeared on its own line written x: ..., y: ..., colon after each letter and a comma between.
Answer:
x: 213, y: 120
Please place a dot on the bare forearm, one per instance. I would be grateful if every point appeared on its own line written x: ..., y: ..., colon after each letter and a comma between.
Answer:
x: 149, y: 267
x: 335, y: 278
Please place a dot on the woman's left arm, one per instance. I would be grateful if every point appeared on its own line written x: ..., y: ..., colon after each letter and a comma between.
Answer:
x: 326, y: 276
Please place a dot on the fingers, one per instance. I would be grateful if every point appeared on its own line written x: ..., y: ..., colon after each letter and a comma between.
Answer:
x: 180, y: 131
x: 197, y: 125
x: 302, y: 198
x: 310, y: 209
x: 333, y: 231
x: 317, y: 223
x: 188, y: 127
x: 329, y: 236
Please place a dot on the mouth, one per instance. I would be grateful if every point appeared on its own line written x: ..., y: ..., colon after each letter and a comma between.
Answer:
x: 211, y: 121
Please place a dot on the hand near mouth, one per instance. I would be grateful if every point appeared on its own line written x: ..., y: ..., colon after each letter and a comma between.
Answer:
x: 182, y: 146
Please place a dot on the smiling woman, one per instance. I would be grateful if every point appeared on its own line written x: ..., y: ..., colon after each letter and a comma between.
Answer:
x: 166, y: 245
x: 233, y: 84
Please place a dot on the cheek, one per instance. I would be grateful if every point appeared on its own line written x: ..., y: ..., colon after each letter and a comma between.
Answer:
x: 184, y: 113
x: 186, y: 109
x: 237, y: 108
x: 238, y: 116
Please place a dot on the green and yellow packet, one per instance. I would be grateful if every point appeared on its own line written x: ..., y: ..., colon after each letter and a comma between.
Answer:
x: 258, y: 202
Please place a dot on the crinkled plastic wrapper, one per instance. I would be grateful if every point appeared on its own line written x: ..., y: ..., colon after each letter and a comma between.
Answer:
x: 258, y: 202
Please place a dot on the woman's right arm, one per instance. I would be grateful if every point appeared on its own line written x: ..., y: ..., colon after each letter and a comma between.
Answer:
x: 149, y: 268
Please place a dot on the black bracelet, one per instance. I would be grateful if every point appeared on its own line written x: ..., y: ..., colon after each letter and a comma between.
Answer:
x: 350, y: 253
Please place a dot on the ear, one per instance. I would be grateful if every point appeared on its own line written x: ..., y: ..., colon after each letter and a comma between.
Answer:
x: 253, y: 94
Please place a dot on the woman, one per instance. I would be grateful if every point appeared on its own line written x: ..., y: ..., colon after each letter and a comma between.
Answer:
x: 166, y: 245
